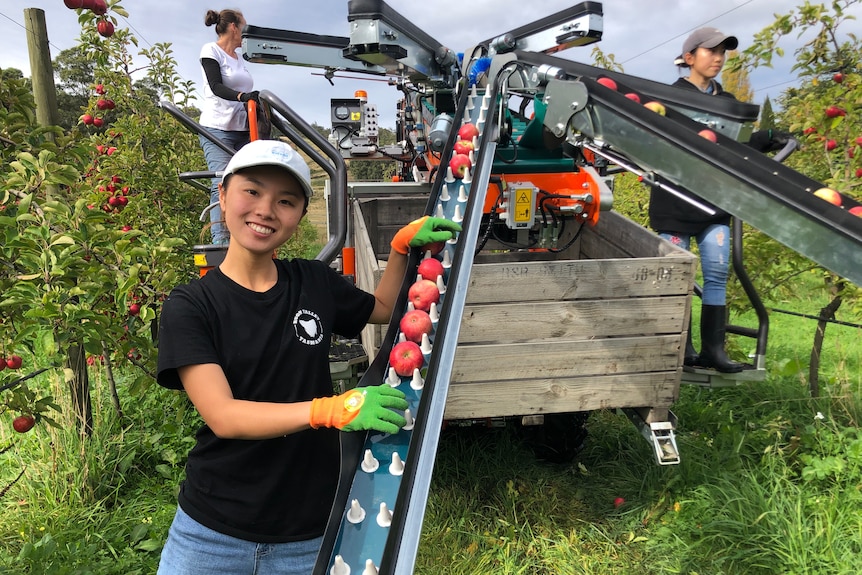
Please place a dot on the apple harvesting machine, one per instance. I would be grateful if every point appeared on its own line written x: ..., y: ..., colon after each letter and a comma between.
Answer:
x: 536, y: 314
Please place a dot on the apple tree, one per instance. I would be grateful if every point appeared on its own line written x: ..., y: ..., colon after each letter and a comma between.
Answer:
x: 823, y: 111
x: 96, y: 226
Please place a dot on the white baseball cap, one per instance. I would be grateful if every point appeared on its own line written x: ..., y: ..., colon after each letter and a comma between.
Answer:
x: 271, y: 153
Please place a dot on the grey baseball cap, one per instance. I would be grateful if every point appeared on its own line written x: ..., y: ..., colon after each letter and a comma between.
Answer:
x: 708, y: 38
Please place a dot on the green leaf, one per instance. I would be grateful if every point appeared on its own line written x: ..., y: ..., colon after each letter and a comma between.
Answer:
x: 150, y: 545
x: 62, y: 240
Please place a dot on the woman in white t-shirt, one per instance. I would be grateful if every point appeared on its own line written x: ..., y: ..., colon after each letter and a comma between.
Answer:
x: 227, y: 87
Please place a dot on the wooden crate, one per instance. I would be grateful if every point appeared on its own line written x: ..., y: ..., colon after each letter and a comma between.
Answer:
x: 601, y: 325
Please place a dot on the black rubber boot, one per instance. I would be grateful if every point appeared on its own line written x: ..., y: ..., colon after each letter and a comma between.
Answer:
x: 712, y: 328
x: 690, y: 357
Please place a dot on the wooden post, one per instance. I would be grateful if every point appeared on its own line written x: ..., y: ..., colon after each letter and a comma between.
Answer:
x: 45, y: 96
x: 41, y: 69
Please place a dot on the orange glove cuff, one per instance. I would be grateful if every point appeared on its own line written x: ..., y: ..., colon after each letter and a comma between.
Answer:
x: 336, y: 411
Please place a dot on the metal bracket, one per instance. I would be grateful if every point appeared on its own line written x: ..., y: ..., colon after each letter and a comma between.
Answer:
x: 563, y: 99
x: 659, y: 434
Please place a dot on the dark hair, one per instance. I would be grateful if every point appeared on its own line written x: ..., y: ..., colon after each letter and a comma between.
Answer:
x: 222, y: 19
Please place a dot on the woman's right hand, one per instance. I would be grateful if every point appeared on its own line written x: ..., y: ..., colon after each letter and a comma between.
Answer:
x: 246, y: 96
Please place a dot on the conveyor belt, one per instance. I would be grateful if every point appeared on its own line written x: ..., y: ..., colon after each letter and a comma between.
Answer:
x: 392, y: 547
x: 747, y: 184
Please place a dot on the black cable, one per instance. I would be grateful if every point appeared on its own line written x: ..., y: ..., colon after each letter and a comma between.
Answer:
x: 570, y: 242
x: 491, y: 214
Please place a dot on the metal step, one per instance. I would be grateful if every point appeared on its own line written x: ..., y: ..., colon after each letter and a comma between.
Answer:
x: 712, y: 378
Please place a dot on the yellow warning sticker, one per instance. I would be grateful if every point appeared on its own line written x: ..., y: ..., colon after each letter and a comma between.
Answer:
x: 200, y: 260
x: 523, y: 205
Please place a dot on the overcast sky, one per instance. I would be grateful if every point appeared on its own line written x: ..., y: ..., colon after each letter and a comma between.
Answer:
x: 644, y: 36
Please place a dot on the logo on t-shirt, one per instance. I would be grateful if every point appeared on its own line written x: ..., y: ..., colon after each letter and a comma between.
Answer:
x: 308, y: 328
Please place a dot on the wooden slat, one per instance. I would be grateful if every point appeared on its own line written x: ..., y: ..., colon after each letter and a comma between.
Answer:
x: 615, y: 236
x: 368, y: 274
x: 506, y: 362
x: 580, y: 279
x: 577, y: 320
x: 543, y: 395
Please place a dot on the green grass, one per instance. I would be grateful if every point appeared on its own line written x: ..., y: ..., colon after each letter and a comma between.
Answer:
x: 765, y: 484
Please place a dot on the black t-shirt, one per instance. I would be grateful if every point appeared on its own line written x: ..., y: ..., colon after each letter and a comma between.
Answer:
x: 670, y: 214
x: 272, y: 346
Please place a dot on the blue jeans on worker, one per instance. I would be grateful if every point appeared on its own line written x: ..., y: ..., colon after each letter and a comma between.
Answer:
x: 192, y: 549
x: 713, y: 243
x: 217, y: 160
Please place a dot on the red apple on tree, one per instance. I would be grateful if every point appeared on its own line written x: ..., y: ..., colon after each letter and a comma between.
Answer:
x: 859, y: 172
x: 23, y: 423
x: 2, y: 363
x: 423, y: 293
x: 460, y: 163
x: 100, y: 7
x: 468, y: 131
x: 102, y: 104
x: 14, y: 362
x: 809, y: 130
x: 87, y: 119
x: 414, y: 324
x: 74, y: 4
x: 430, y: 268
x: 105, y: 28
x: 405, y: 357
x: 100, y: 89
x: 97, y: 122
x: 134, y: 309
x: 831, y: 145
x: 838, y: 77
x: 834, y: 112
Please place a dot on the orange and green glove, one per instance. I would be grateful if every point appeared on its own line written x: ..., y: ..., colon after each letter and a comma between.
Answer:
x: 361, y: 409
x: 426, y: 230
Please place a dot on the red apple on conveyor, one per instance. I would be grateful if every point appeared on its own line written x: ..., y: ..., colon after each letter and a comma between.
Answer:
x: 829, y: 195
x: 416, y: 323
x: 607, y: 82
x: 709, y: 135
x: 463, y: 147
x: 430, y: 268
x: 468, y: 131
x: 423, y: 293
x: 405, y: 357
x: 656, y: 107
x: 434, y: 248
x: 460, y: 163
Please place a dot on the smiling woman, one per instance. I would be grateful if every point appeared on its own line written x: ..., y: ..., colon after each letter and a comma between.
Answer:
x: 249, y: 343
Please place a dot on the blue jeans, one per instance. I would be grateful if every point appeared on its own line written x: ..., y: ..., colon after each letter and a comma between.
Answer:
x: 713, y: 243
x: 192, y: 549
x: 217, y: 160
